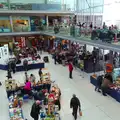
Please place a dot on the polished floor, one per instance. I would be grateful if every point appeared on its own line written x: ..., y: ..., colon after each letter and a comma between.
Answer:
x: 94, y: 105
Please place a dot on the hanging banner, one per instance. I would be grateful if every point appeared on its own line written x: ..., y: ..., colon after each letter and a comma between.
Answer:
x: 23, y: 42
x: 4, y: 54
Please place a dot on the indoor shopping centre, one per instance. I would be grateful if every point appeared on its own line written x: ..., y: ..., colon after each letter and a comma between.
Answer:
x: 59, y: 60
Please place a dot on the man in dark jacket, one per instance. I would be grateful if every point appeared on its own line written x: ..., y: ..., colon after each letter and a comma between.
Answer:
x: 25, y: 64
x: 35, y: 110
x: 75, y: 104
x: 13, y: 66
x: 9, y: 74
x: 99, y: 83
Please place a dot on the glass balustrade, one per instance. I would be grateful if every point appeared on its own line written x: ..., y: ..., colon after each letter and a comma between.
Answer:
x: 46, y: 5
x: 4, y: 5
x: 88, y: 34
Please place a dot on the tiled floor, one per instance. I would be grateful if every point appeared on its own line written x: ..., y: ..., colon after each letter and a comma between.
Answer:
x: 94, y: 105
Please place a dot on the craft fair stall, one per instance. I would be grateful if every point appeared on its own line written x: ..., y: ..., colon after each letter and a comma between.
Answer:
x: 114, y: 89
x: 32, y: 64
x: 15, y: 101
x: 15, y: 110
x: 50, y: 103
x: 19, y: 56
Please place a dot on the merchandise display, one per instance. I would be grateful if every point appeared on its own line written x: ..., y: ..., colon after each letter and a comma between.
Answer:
x: 12, y: 86
x: 113, y: 90
x: 15, y: 110
x: 16, y: 114
x: 50, y: 103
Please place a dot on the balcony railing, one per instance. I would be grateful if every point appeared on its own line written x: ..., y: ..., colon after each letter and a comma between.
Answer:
x: 35, y: 6
x: 88, y: 34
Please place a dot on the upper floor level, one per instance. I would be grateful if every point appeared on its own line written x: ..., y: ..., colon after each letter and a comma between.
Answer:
x: 49, y: 5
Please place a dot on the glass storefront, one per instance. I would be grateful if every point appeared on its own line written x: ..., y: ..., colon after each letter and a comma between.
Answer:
x: 35, y: 5
x: 4, y: 5
x: 90, y: 11
x: 24, y: 4
x: 37, y: 22
x: 21, y: 23
x: 69, y: 5
x: 5, y: 25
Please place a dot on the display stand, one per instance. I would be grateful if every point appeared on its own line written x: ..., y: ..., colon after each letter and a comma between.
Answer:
x: 49, y: 110
x: 113, y: 91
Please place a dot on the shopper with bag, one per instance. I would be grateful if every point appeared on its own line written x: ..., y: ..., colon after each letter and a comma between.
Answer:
x: 35, y: 110
x: 70, y: 70
x: 75, y: 105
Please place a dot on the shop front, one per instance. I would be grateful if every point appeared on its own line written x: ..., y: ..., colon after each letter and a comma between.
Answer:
x: 20, y: 41
x: 3, y: 5
x: 21, y: 23
x: 36, y: 22
x: 5, y: 25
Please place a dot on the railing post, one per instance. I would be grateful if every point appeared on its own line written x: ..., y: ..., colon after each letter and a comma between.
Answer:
x: 8, y: 1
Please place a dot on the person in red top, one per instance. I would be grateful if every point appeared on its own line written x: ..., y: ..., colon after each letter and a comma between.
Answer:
x: 70, y: 70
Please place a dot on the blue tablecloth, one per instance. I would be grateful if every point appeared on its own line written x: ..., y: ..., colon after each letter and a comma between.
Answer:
x: 112, y: 92
x: 21, y: 68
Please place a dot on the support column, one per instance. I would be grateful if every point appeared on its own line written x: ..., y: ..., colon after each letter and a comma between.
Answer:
x: 11, y: 23
x: 47, y: 22
x: 8, y: 2
x: 84, y: 48
x: 111, y: 57
x: 104, y: 64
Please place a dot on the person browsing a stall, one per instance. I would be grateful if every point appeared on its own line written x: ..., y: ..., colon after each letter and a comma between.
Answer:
x: 32, y: 78
x: 27, y: 88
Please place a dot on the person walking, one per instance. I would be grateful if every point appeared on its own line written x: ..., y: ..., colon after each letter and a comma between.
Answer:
x: 55, y: 58
x: 75, y: 104
x: 35, y: 110
x: 70, y: 70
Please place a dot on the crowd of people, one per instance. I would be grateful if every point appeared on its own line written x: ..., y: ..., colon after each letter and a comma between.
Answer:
x: 104, y: 33
x: 42, y: 93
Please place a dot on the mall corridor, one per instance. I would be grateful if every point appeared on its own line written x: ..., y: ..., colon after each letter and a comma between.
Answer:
x: 94, y: 105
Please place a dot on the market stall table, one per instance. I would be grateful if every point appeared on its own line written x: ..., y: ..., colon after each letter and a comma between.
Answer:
x: 20, y: 67
x: 113, y: 92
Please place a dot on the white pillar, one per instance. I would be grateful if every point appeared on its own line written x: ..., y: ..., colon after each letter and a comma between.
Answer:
x: 47, y: 22
x: 11, y: 23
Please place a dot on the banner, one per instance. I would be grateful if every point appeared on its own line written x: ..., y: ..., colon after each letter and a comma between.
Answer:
x: 4, y: 54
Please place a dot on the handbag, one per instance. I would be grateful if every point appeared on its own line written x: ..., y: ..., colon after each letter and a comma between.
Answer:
x: 80, y: 113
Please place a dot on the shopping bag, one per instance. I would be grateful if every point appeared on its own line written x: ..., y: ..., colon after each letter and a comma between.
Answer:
x: 80, y: 113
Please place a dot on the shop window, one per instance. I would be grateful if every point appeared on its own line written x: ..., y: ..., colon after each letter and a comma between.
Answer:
x: 21, y: 24
x: 5, y: 24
